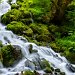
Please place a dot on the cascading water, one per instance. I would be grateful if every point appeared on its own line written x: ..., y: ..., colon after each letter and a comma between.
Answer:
x: 27, y: 61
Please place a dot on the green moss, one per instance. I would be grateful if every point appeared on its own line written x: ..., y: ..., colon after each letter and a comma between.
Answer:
x: 14, y: 6
x: 28, y: 72
x: 29, y: 32
x: 27, y: 21
x: 12, y: 15
x: 44, y: 38
x: 39, y: 28
x: 18, y: 27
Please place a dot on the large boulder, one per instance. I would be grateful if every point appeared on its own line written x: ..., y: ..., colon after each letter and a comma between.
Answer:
x: 11, y: 55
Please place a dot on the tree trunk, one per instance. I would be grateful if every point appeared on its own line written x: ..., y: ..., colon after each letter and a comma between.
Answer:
x: 58, y: 10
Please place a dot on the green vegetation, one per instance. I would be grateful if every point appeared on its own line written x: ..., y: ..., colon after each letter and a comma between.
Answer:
x: 45, y: 22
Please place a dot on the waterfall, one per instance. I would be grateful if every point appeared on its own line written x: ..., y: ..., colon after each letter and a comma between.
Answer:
x: 26, y: 63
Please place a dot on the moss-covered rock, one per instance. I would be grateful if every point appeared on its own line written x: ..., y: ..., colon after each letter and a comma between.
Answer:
x: 28, y: 72
x: 10, y: 55
x: 39, y: 28
x: 44, y: 63
x: 19, y: 28
x: 45, y: 38
x: 12, y: 15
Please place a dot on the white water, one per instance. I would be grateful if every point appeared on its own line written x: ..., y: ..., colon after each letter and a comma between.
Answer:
x: 27, y: 61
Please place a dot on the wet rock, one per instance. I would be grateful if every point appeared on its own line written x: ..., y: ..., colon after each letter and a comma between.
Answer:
x: 48, y: 70
x: 62, y: 73
x: 6, y: 39
x: 17, y: 74
x: 57, y: 70
x: 70, y: 67
x: 52, y: 68
x: 30, y: 64
x: 56, y: 73
x: 22, y: 38
x: 32, y: 50
x: 17, y: 52
x: 36, y: 73
x: 44, y: 64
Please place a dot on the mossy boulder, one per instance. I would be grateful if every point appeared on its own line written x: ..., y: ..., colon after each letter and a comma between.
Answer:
x: 44, y: 63
x: 45, y: 38
x: 19, y: 28
x: 12, y: 15
x: 39, y: 28
x: 10, y: 55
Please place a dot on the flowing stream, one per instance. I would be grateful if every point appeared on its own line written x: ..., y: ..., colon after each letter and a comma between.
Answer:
x: 26, y: 63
